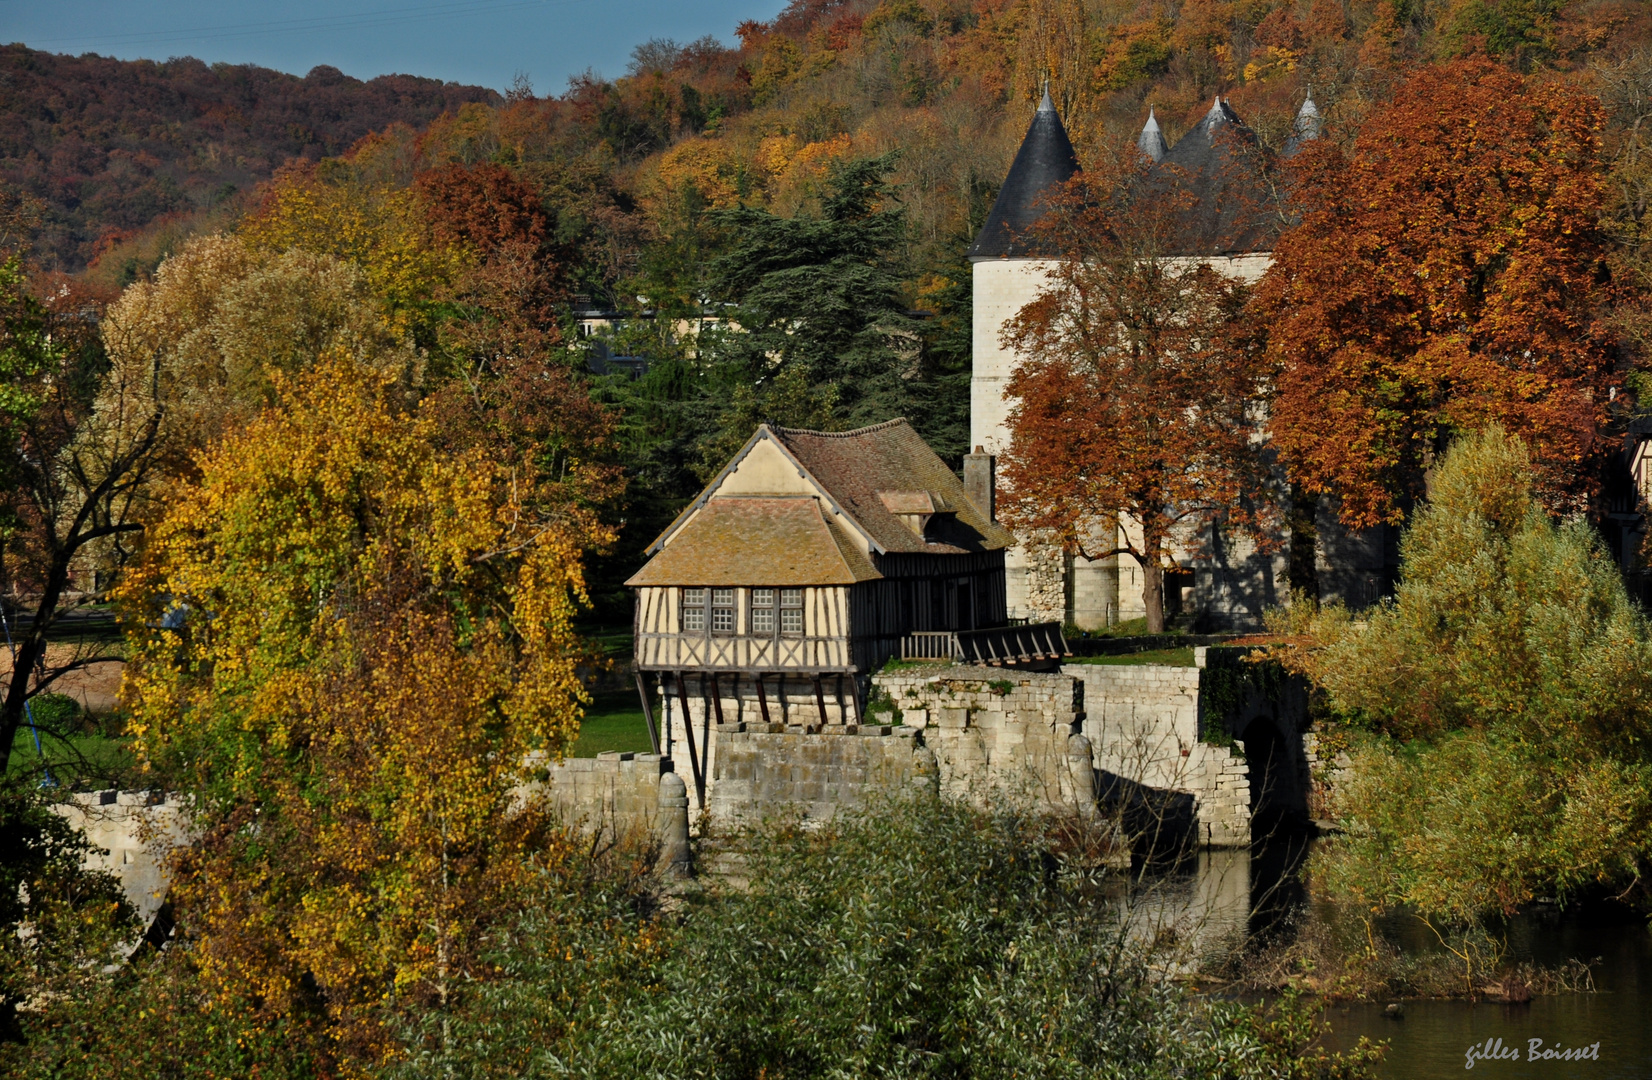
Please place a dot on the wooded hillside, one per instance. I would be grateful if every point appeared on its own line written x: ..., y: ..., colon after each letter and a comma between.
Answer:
x: 110, y: 146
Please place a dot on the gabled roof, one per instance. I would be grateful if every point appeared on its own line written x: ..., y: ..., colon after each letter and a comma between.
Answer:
x: 1044, y: 162
x: 772, y: 540
x: 1217, y: 165
x: 845, y: 473
x: 857, y: 467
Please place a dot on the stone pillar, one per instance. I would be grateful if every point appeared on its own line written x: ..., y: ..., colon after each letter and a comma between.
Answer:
x: 672, y: 826
x: 1081, y: 767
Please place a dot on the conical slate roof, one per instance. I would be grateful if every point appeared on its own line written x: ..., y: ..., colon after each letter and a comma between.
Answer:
x: 1215, y: 165
x: 1151, y: 140
x: 1307, y: 126
x: 1044, y: 162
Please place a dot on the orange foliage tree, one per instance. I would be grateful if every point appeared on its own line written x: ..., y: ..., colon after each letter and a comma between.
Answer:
x: 1134, y: 423
x: 1448, y: 272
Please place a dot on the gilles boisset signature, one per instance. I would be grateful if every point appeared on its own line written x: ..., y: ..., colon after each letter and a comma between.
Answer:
x: 1494, y: 1050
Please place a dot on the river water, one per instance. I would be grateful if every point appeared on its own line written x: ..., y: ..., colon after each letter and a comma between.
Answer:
x: 1225, y: 893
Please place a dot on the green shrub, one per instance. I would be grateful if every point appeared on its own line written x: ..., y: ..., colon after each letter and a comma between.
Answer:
x: 915, y: 938
x: 1506, y: 693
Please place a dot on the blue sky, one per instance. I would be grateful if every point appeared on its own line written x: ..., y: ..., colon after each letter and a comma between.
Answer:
x: 470, y: 41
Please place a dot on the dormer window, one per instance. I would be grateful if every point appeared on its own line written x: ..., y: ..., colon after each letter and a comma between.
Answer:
x: 912, y: 508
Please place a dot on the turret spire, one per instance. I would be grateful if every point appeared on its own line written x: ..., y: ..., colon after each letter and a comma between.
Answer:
x: 1307, y: 126
x: 1151, y: 140
x: 1044, y: 162
x: 1307, y: 119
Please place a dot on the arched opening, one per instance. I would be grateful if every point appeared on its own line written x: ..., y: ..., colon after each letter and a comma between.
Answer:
x: 1279, y: 828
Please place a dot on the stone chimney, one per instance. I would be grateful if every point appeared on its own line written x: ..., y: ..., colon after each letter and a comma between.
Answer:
x: 980, y: 482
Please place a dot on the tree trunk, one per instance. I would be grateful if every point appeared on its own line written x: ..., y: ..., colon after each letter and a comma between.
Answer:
x: 1303, y: 570
x: 1152, y: 593
x: 30, y: 650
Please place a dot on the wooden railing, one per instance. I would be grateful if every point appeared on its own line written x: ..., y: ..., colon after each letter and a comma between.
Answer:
x: 930, y: 645
x: 996, y: 646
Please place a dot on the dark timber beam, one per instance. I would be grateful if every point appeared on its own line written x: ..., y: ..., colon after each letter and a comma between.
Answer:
x: 647, y: 713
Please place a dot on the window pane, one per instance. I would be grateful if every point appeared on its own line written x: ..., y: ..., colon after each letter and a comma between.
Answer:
x: 762, y: 598
x: 762, y: 620
x: 791, y: 620
x: 791, y: 597
x: 722, y: 620
x: 722, y: 597
x: 694, y: 610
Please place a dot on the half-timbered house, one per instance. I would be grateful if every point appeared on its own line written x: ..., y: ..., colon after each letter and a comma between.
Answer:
x: 808, y: 562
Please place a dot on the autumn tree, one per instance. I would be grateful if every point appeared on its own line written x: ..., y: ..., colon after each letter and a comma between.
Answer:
x: 1135, y: 417
x: 349, y: 642
x: 1449, y: 271
x: 221, y: 318
x: 507, y: 295
x: 73, y: 477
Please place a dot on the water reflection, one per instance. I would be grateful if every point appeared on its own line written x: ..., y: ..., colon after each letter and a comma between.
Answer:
x: 1211, y: 901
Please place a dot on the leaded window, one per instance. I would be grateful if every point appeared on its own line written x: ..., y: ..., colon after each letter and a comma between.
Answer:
x: 722, y: 611
x: 762, y: 611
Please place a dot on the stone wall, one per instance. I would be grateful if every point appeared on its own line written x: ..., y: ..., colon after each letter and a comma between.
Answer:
x: 992, y: 729
x: 617, y: 796
x: 1143, y: 725
x: 132, y: 835
x: 768, y: 768
x: 790, y: 703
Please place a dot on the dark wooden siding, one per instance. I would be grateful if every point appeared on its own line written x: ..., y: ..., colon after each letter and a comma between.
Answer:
x: 924, y: 592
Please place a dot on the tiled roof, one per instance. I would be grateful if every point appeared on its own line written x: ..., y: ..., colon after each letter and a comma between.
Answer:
x: 1044, y: 162
x: 743, y: 540
x: 857, y: 466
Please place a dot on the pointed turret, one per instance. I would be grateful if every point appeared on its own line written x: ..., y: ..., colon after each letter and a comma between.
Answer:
x: 1151, y: 140
x: 1215, y: 167
x: 1307, y: 126
x: 1044, y: 162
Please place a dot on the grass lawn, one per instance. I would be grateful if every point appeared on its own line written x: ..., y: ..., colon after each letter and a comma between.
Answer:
x: 81, y: 758
x: 613, y: 721
x: 1165, y: 657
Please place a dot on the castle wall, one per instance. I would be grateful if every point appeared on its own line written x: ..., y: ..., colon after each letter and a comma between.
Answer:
x: 132, y: 835
x: 997, y: 730
x: 764, y: 769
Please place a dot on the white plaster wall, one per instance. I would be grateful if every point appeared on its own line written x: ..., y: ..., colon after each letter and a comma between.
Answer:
x: 1001, y: 288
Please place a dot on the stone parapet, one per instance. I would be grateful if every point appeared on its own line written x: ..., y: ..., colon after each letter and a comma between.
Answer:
x: 761, y: 769
x: 132, y: 835
x: 995, y: 730
x: 1143, y: 725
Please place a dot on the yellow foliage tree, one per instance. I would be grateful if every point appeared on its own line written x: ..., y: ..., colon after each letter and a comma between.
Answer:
x: 354, y: 645
x: 378, y: 227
